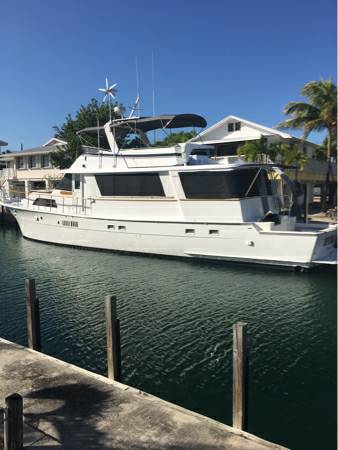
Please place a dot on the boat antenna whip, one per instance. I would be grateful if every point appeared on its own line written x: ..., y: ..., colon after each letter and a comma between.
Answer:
x: 136, y: 105
x: 109, y: 93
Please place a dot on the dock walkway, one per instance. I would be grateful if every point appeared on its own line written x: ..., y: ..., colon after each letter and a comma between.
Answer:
x: 71, y: 408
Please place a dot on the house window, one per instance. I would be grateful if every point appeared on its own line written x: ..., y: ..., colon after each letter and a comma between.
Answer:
x: 20, y: 162
x: 138, y: 185
x: 32, y: 162
x: 234, y: 126
x: 45, y: 160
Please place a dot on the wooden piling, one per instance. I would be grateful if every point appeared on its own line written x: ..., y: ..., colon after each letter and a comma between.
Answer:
x: 13, y: 423
x: 113, y: 339
x: 33, y: 316
x: 239, y: 382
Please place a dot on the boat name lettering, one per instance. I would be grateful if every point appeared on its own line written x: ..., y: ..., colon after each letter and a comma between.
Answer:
x: 70, y: 223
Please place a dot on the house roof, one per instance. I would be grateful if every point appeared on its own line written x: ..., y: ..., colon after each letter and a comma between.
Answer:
x: 54, y: 141
x: 213, y: 131
x: 31, y: 152
x: 211, y: 136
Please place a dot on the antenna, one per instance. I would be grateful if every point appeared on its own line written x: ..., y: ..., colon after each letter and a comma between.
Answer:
x: 109, y: 93
x: 153, y: 88
x: 153, y: 82
x: 138, y: 98
x: 98, y: 129
x: 134, y: 107
x: 137, y: 77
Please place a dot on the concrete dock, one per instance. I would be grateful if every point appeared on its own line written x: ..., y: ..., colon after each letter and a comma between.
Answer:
x: 71, y: 408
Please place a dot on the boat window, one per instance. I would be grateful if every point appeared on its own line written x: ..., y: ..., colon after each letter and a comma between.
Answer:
x: 45, y: 202
x: 143, y: 184
x: 65, y: 184
x: 232, y: 184
x: 77, y: 180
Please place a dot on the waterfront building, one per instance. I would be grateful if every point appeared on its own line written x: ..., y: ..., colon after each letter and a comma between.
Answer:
x: 31, y: 169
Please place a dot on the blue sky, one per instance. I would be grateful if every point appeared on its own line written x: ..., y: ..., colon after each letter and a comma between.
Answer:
x: 214, y: 58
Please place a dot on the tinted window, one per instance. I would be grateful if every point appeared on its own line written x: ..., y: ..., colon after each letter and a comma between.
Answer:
x: 237, y: 126
x: 232, y: 184
x: 230, y: 127
x: 77, y: 181
x: 143, y: 184
x: 45, y: 202
x: 65, y: 184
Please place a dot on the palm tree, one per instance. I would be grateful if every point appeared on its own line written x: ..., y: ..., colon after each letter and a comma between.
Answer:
x: 260, y: 151
x: 320, y: 113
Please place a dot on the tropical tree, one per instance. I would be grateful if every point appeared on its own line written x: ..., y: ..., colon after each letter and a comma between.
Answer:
x: 318, y: 114
x: 288, y: 154
x: 87, y: 116
x: 282, y: 153
x: 175, y: 138
x: 254, y: 151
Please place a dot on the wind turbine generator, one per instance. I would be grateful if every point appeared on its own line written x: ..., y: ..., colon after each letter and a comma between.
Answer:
x: 109, y: 93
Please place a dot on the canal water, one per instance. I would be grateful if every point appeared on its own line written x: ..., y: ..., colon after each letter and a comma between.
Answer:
x: 176, y: 330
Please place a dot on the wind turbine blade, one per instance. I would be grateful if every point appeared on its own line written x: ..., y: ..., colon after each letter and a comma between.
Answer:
x: 102, y: 90
x: 112, y: 86
x: 106, y: 83
x: 104, y: 98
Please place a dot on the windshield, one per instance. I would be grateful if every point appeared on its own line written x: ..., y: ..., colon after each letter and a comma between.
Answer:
x: 232, y: 184
x: 65, y: 184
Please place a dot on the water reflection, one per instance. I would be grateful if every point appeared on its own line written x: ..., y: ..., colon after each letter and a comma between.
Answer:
x: 176, y: 318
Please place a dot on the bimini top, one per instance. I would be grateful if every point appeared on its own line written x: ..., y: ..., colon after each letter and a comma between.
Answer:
x: 146, y: 124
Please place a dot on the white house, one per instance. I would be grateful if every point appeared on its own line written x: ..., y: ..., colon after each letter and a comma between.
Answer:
x: 31, y: 169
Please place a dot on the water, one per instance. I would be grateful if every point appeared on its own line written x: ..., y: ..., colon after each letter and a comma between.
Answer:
x: 176, y: 330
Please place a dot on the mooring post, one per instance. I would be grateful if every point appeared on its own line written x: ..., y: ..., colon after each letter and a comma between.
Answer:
x: 113, y: 339
x: 13, y: 423
x: 33, y: 316
x: 239, y: 381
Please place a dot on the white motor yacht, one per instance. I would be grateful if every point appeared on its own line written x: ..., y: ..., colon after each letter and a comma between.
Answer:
x: 177, y: 201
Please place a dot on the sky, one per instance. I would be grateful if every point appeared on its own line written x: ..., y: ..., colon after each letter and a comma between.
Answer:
x: 213, y: 58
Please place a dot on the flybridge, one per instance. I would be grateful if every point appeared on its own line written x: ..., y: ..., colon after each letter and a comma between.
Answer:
x: 117, y: 130
x: 145, y: 124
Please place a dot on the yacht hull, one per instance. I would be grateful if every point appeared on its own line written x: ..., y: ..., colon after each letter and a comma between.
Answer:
x: 241, y: 242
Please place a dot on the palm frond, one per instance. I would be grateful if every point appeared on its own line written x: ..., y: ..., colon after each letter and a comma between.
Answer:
x: 292, y: 124
x: 297, y: 108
